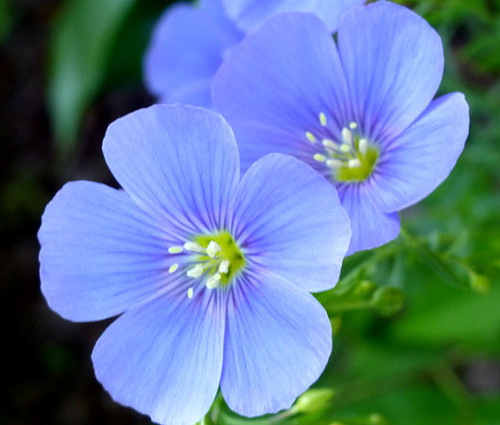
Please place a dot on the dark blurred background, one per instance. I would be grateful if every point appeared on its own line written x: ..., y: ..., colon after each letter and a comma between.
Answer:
x: 69, y: 68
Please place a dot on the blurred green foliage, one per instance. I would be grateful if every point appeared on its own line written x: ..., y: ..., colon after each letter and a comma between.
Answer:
x: 5, y: 19
x: 409, y: 317
x: 80, y: 52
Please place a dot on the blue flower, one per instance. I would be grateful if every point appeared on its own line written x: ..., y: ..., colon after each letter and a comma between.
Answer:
x: 189, y: 43
x: 211, y: 274
x: 360, y: 111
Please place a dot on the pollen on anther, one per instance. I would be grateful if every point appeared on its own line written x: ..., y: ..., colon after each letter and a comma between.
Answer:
x: 319, y: 157
x: 333, y: 163
x: 175, y: 249
x: 363, y: 145
x: 353, y: 125
x: 224, y: 266
x: 327, y: 143
x: 310, y: 137
x: 353, y: 163
x: 213, y: 248
x: 195, y: 271
x: 213, y: 281
x: 322, y: 119
x: 193, y: 246
x: 190, y: 293
x: 173, y: 268
x: 347, y: 136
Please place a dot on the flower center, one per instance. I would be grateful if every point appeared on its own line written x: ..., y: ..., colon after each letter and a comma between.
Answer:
x: 350, y: 159
x: 216, y: 259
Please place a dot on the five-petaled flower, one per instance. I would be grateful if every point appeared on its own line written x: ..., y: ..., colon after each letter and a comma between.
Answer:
x: 190, y: 42
x: 360, y: 111
x: 211, y: 274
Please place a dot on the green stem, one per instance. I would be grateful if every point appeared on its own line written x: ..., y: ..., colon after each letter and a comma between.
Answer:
x: 451, y: 386
x: 347, y: 306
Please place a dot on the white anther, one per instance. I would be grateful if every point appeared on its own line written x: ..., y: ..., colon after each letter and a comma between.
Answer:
x: 310, y: 137
x: 353, y: 125
x: 173, y: 268
x: 327, y: 143
x: 213, y: 248
x: 175, y: 249
x: 319, y: 157
x: 347, y: 136
x: 353, y: 163
x: 345, y: 148
x: 334, y: 163
x: 363, y: 145
x: 193, y: 246
x: 322, y: 119
x: 190, y: 293
x: 224, y: 266
x: 195, y: 271
x: 213, y: 281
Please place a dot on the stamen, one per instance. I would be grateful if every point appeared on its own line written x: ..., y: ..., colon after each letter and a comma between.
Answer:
x: 363, y: 145
x: 347, y: 136
x: 353, y: 163
x: 353, y: 126
x: 173, y: 268
x: 319, y: 157
x: 310, y: 137
x: 224, y: 266
x: 345, y: 148
x: 195, y: 271
x: 327, y: 143
x: 322, y: 119
x: 175, y: 249
x: 334, y: 163
x: 190, y: 293
x: 213, y: 281
x: 213, y: 248
x: 193, y: 246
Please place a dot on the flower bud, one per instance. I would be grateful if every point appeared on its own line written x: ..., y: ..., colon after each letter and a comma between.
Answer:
x: 387, y: 300
x: 364, y: 289
x: 479, y: 283
x: 376, y: 419
x: 314, y: 400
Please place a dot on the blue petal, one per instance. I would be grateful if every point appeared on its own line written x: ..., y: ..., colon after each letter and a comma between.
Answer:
x: 278, y: 340
x: 164, y: 358
x: 370, y: 226
x: 100, y: 253
x: 178, y: 163
x: 186, y: 50
x: 393, y: 62
x: 331, y: 11
x: 289, y: 220
x: 250, y: 14
x: 416, y: 162
x: 275, y: 83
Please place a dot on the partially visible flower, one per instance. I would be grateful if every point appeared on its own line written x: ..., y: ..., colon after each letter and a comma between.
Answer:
x: 190, y: 42
x: 249, y: 15
x: 209, y: 273
x: 361, y: 112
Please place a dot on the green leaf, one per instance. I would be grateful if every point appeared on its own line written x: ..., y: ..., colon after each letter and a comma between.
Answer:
x: 81, y: 46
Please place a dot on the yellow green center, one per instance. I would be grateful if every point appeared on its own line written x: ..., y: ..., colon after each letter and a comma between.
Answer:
x: 362, y: 170
x: 350, y: 157
x: 229, y: 251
